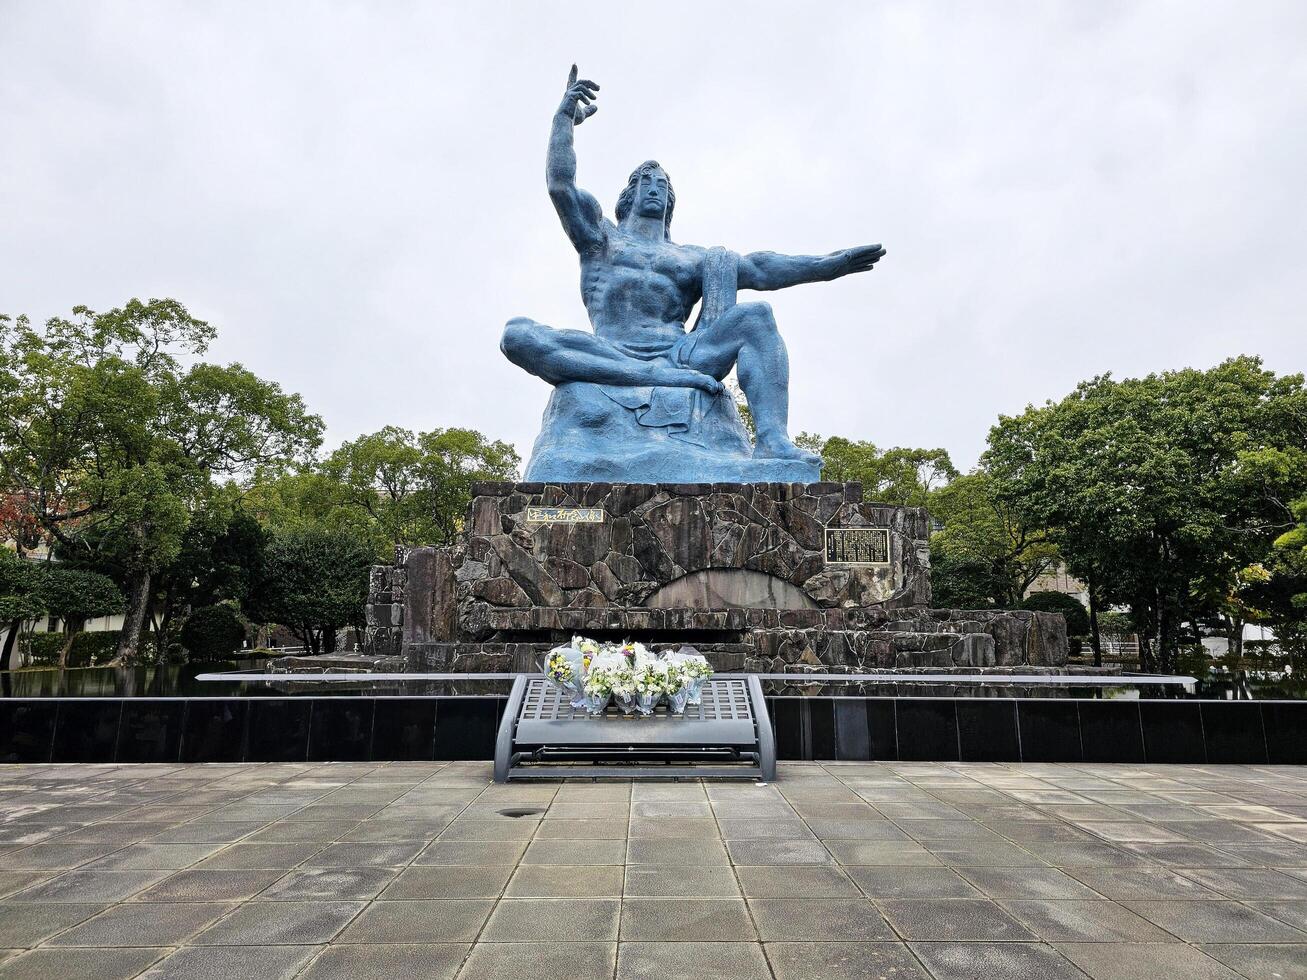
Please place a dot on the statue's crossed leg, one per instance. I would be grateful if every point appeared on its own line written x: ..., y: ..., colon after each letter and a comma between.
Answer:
x: 744, y: 337
x: 559, y: 355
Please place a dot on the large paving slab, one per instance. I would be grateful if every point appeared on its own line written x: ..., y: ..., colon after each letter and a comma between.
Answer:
x: 910, y: 870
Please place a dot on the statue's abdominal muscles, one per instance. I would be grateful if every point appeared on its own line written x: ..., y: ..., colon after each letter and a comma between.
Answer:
x: 638, y: 307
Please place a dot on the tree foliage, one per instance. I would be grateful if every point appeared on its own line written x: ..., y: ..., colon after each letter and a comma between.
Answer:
x: 1159, y: 491
x: 314, y: 582
x: 21, y: 599
x: 21, y: 595
x: 111, y: 434
x: 1279, y: 594
x: 959, y: 581
x: 413, y: 489
x: 75, y: 595
x: 212, y: 632
x: 901, y: 476
x: 985, y: 545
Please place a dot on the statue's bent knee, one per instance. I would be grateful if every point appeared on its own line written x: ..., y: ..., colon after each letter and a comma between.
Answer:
x: 758, y: 316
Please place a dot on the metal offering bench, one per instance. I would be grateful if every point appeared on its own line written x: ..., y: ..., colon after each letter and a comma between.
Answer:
x: 728, y: 735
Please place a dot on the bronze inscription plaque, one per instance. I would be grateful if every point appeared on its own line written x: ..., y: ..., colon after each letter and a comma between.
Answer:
x: 565, y: 515
x: 857, y: 546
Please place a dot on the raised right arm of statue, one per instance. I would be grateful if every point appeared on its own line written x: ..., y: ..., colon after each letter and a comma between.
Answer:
x: 580, y: 213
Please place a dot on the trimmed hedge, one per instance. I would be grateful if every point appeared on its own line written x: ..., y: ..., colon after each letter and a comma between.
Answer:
x: 44, y: 648
x: 89, y: 649
x: 213, y: 633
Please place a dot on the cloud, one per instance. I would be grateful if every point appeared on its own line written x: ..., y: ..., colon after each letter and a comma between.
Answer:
x: 353, y: 192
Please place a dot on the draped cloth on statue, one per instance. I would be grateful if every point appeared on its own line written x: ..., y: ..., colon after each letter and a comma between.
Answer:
x: 679, y: 410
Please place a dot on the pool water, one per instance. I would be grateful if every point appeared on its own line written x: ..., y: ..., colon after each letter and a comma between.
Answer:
x: 166, y: 681
x: 182, y: 680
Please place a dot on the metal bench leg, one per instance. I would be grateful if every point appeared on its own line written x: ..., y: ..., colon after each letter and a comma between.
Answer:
x: 766, y: 737
x: 507, y: 725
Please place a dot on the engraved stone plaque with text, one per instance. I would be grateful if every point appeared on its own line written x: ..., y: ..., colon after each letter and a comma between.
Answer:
x: 857, y: 546
x: 565, y: 515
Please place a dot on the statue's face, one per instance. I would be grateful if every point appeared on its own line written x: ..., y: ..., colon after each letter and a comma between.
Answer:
x: 651, y: 193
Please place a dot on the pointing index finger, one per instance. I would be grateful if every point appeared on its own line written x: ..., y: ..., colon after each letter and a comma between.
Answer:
x: 572, y: 77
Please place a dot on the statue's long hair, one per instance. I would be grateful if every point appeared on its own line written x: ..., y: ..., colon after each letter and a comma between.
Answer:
x: 627, y: 197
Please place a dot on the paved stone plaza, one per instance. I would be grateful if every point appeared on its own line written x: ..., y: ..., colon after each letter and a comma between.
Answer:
x: 836, y: 871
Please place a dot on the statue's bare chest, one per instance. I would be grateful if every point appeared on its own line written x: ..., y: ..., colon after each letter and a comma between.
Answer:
x: 663, y: 264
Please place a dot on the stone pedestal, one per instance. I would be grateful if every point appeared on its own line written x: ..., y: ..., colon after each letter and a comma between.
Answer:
x: 761, y: 576
x: 594, y: 432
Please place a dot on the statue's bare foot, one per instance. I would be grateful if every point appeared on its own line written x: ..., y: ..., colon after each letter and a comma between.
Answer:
x: 686, y: 378
x: 779, y: 446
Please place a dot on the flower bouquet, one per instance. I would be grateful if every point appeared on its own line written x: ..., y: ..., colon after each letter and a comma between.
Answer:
x: 593, y: 674
x: 624, y: 690
x: 653, y: 680
x: 568, y: 666
x: 637, y: 655
x: 678, y: 687
x: 615, y: 677
x: 694, y: 670
x: 598, y: 690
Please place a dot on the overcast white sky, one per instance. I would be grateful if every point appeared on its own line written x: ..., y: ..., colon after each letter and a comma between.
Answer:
x: 353, y: 193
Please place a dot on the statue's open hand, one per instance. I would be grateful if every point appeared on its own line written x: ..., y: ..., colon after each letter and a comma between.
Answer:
x: 578, y: 98
x: 861, y: 258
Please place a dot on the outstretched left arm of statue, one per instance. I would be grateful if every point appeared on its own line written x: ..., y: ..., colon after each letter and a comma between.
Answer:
x: 771, y: 270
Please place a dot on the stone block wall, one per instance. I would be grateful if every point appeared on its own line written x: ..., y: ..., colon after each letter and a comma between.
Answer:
x: 933, y: 639
x: 738, y: 570
x: 735, y: 538
x: 384, y: 612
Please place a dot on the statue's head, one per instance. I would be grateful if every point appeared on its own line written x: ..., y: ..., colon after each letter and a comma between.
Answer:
x: 648, y: 193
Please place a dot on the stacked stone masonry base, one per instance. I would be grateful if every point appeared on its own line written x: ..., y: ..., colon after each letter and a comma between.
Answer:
x: 743, y: 572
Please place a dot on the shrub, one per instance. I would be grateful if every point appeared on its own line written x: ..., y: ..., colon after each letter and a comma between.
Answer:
x: 1115, y: 624
x: 212, y: 632
x: 962, y: 583
x: 1193, y: 661
x: 1077, y: 619
x: 44, y: 648
x: 89, y: 649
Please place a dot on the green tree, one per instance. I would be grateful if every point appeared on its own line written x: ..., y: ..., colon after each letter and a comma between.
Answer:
x: 314, y: 582
x: 21, y: 600
x: 304, y: 499
x: 110, y: 442
x: 962, y: 582
x: 379, y: 478
x: 74, y: 596
x: 1280, y: 596
x: 901, y: 476
x: 985, y: 546
x: 219, y: 560
x: 415, y: 489
x: 212, y: 632
x: 221, y: 557
x: 1159, y: 491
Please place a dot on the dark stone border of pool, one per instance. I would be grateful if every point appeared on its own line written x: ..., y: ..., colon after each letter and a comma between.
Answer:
x: 347, y: 729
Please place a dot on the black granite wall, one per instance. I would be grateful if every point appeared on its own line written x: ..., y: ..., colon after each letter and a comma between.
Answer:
x: 303, y: 729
